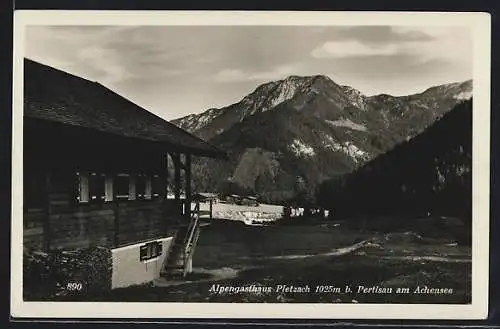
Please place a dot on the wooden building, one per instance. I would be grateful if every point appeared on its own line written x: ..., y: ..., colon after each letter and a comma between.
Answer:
x: 95, y: 174
x: 206, y: 198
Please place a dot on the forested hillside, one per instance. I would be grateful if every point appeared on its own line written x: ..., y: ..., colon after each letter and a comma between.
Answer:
x: 428, y: 175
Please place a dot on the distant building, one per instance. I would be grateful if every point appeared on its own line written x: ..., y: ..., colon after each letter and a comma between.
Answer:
x: 242, y: 200
x: 206, y: 197
x: 250, y: 201
x: 209, y: 198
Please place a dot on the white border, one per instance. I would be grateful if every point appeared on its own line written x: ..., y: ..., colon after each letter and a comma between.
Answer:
x: 481, y: 29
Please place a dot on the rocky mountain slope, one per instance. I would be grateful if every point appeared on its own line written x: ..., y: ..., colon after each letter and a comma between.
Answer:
x: 289, y: 135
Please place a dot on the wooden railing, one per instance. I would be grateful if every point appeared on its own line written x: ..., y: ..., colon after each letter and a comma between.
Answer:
x: 192, y: 235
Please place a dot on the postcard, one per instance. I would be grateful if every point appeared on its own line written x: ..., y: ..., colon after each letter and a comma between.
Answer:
x: 258, y: 165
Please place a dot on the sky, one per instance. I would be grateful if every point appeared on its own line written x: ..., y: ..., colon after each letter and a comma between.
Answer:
x: 178, y: 70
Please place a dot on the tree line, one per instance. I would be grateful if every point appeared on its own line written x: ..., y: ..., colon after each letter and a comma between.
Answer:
x: 428, y: 175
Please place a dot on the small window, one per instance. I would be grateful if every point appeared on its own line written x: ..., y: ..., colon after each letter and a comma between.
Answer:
x: 82, y: 195
x: 143, y: 187
x: 157, y: 186
x: 122, y: 186
x: 108, y: 189
x: 148, y: 190
x: 97, y: 187
x: 150, y: 250
x: 93, y: 187
x: 140, y: 186
x: 132, y: 188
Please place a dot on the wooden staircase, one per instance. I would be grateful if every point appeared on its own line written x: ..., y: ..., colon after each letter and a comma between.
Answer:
x: 180, y: 257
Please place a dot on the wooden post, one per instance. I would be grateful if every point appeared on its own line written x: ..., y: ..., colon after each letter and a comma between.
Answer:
x: 46, y: 223
x: 187, y: 172
x: 165, y: 176
x: 189, y: 265
x: 177, y: 188
x: 164, y: 185
x: 116, y: 237
x: 211, y: 201
x: 116, y: 213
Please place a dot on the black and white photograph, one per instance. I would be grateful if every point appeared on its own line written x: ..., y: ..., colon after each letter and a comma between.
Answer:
x: 215, y: 162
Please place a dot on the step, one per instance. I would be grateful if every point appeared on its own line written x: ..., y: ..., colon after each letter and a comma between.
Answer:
x: 169, y: 267
x: 175, y: 267
x: 176, y: 262
x: 172, y: 268
x: 175, y: 258
x: 175, y: 254
x: 174, y: 276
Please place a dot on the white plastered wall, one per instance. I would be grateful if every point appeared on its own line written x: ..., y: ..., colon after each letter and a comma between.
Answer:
x: 129, y: 270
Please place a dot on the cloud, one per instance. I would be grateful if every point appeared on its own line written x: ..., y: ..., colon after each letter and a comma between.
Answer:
x: 230, y: 75
x: 453, y: 45
x: 432, y: 32
x: 238, y: 75
x: 381, y: 34
x: 419, y: 46
x: 277, y: 72
x: 176, y: 70
x: 335, y: 49
x: 105, y: 61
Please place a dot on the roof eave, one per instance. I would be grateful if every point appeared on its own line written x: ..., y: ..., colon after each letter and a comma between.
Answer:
x: 216, y: 154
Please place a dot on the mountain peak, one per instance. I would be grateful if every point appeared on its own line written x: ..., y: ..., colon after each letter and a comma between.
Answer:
x: 305, y: 77
x: 350, y: 90
x: 467, y: 84
x: 269, y: 95
x: 294, y: 77
x: 356, y: 97
x: 457, y: 90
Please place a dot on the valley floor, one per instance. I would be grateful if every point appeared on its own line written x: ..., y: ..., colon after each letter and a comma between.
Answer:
x: 316, y: 263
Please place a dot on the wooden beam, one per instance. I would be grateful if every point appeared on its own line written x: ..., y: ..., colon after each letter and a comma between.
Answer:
x: 46, y: 222
x: 182, y: 165
x: 116, y: 228
x: 177, y: 188
x: 164, y: 175
x: 187, y: 172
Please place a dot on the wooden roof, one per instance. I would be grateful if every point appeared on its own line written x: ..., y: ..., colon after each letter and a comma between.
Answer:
x: 205, y: 196
x: 54, y: 95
